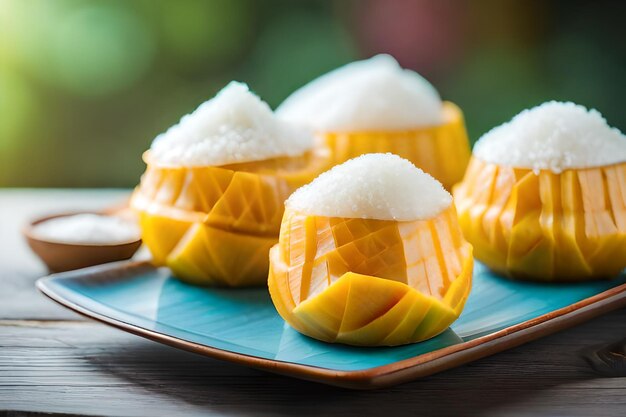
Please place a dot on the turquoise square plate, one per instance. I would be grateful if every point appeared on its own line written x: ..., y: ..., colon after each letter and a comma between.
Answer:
x: 242, y: 325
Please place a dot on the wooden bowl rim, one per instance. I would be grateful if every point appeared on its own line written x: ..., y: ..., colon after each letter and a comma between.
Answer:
x: 27, y: 231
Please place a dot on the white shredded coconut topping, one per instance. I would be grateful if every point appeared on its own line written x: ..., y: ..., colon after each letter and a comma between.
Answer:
x: 234, y: 126
x: 554, y: 136
x: 87, y: 229
x: 373, y: 186
x: 371, y: 95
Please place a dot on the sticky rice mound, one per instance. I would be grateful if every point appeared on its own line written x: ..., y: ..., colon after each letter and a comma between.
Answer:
x: 371, y: 95
x: 373, y: 186
x: 553, y: 136
x: 234, y: 126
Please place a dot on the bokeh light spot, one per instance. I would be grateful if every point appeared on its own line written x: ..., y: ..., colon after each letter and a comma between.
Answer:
x: 98, y: 50
x: 198, y: 33
x: 17, y: 107
x: 281, y: 63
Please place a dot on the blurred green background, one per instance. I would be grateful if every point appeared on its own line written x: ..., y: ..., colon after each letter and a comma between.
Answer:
x: 85, y: 85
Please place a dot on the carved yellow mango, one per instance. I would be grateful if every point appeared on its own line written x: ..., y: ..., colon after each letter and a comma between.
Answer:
x: 370, y: 282
x: 443, y: 151
x: 215, y: 225
x: 542, y: 225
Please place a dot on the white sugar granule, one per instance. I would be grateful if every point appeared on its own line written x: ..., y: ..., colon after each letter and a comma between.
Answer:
x: 234, y: 126
x: 87, y: 229
x: 371, y: 95
x: 373, y: 186
x: 554, y: 136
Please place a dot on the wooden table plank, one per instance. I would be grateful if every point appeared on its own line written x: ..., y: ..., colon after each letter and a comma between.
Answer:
x: 19, y: 267
x: 85, y: 367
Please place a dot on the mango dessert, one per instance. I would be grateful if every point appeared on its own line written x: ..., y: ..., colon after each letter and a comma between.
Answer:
x: 376, y: 106
x: 544, y: 196
x: 370, y: 253
x: 211, y: 200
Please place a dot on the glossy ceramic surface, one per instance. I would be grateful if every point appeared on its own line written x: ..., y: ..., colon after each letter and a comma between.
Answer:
x: 242, y: 325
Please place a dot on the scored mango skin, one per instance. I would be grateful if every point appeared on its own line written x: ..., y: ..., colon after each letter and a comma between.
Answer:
x: 200, y: 254
x: 370, y: 282
x: 215, y: 225
x: 442, y: 151
x: 545, y: 226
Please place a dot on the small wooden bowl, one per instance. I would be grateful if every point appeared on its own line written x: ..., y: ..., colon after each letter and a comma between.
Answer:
x: 60, y: 257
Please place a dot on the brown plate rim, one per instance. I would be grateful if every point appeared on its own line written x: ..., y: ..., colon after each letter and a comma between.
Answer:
x: 381, y: 376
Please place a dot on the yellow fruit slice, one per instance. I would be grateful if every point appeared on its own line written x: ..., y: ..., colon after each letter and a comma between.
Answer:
x: 207, y: 255
x: 161, y: 234
x: 442, y: 151
x: 545, y: 226
x: 215, y: 225
x: 370, y: 282
x: 246, y: 197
